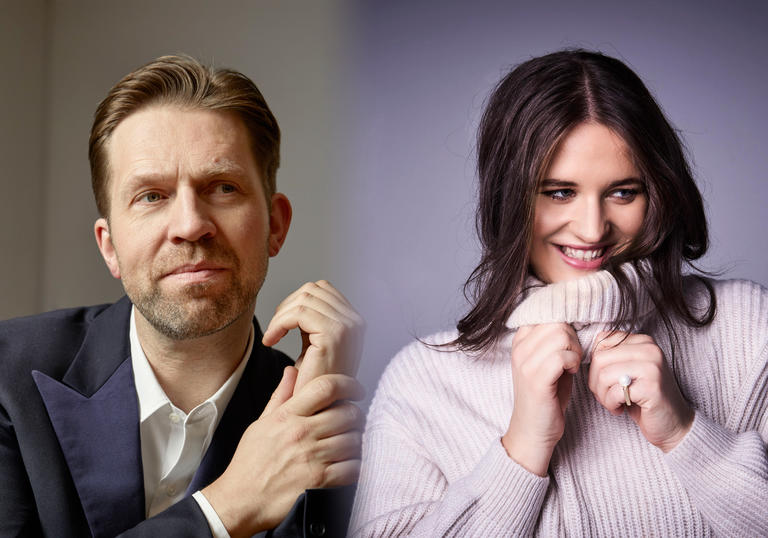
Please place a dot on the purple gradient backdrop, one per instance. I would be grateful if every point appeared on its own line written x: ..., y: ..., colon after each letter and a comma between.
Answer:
x: 422, y: 71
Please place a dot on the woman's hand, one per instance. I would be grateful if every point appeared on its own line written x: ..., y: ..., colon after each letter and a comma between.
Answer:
x: 544, y: 359
x: 658, y: 406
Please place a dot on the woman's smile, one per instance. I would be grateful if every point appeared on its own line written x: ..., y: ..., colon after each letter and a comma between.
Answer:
x: 590, y: 204
x: 583, y: 257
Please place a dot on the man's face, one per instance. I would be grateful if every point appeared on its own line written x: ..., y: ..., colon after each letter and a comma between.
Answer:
x: 189, y: 230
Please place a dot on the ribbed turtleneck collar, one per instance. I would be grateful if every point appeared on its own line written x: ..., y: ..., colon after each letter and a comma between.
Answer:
x: 589, y: 304
x: 595, y: 298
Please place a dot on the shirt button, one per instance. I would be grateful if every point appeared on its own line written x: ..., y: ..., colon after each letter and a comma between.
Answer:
x: 317, y: 529
x: 170, y: 491
x: 174, y: 418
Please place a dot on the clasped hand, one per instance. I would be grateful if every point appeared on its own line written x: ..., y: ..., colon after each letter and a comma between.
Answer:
x: 309, y: 434
x: 331, y: 331
x: 545, y: 358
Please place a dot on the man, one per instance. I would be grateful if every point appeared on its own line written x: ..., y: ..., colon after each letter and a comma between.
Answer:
x: 166, y: 414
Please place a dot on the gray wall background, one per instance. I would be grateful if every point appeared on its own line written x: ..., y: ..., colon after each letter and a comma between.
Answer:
x: 64, y: 56
x: 378, y: 103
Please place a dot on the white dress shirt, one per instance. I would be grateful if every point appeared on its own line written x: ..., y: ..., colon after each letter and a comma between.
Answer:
x: 173, y: 443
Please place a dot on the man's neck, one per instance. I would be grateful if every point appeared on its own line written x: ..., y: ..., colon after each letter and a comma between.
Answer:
x: 191, y: 371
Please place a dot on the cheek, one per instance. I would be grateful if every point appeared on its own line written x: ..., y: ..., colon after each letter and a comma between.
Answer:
x: 545, y: 223
x: 631, y: 220
x: 547, y: 220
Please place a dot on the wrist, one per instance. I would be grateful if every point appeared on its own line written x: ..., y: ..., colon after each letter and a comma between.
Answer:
x: 239, y: 518
x: 677, y: 437
x: 531, y: 456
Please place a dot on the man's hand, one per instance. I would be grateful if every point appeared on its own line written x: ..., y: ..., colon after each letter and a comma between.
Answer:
x: 308, y: 440
x: 331, y: 331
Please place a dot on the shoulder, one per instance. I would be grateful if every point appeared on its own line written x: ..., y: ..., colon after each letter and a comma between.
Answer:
x: 737, y: 302
x: 433, y: 382
x: 421, y: 359
x: 36, y: 342
x: 740, y: 324
x: 730, y: 293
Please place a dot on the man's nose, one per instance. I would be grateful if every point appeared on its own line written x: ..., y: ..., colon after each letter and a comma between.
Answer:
x: 590, y: 223
x: 189, y: 218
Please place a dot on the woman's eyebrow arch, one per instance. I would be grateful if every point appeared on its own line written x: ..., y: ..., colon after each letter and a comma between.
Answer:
x: 547, y: 183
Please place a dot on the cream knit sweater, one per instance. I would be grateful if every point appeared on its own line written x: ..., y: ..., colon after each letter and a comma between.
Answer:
x: 433, y: 463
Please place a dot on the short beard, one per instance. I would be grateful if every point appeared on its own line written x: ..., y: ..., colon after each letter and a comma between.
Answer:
x: 193, y: 313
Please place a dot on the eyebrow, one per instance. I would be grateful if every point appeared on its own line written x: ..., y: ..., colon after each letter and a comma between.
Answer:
x: 562, y: 183
x: 222, y: 168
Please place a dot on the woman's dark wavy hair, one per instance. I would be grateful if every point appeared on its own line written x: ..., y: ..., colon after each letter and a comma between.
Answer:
x: 529, y: 112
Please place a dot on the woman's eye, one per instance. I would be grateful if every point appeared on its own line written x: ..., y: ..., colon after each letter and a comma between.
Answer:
x: 559, y: 194
x: 625, y: 195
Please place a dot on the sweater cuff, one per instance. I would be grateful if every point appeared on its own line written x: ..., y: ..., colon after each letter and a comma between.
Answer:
x: 702, y: 447
x: 507, y: 493
x: 721, y: 470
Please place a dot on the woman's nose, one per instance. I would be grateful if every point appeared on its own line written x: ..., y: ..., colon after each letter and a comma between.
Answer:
x: 590, y: 223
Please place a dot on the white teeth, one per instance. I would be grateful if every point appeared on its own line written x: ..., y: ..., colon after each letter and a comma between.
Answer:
x: 584, y: 255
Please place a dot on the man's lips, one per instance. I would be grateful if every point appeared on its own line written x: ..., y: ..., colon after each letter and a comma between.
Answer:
x: 196, y: 272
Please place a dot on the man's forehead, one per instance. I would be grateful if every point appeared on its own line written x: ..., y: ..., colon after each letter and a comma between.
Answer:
x: 158, y: 141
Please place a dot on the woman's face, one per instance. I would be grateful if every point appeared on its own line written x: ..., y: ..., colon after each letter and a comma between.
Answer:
x: 589, y: 205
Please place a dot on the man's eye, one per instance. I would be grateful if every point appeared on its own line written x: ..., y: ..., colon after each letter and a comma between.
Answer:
x: 223, y: 188
x: 150, y: 197
x: 559, y: 194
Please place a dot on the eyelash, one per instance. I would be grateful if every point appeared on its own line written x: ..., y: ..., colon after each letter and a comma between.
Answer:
x: 557, y: 194
x: 224, y: 188
x: 561, y: 195
x: 144, y: 196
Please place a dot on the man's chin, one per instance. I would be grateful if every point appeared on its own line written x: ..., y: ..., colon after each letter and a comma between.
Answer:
x: 193, y: 315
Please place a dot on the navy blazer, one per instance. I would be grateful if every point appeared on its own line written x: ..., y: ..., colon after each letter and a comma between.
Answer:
x: 70, y: 452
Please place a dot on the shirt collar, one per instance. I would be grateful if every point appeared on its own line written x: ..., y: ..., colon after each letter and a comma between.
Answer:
x: 151, y: 395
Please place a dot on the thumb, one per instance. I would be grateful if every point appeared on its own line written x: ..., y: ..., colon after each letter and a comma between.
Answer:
x: 283, y: 392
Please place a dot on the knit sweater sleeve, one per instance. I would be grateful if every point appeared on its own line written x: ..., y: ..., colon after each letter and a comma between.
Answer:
x: 403, y: 489
x: 723, y: 461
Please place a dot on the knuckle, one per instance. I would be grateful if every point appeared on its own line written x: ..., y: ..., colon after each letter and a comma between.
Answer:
x: 324, y: 386
x: 283, y: 415
x: 307, y: 288
x: 316, y: 473
x: 298, y: 433
x: 656, y: 371
x: 352, y: 413
x: 560, y: 339
x: 602, y: 378
x: 322, y: 282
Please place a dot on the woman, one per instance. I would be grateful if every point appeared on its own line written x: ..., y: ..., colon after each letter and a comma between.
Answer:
x: 593, y: 388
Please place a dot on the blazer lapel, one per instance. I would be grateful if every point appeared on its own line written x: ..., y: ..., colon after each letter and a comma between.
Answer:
x: 260, y: 377
x: 94, y: 412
